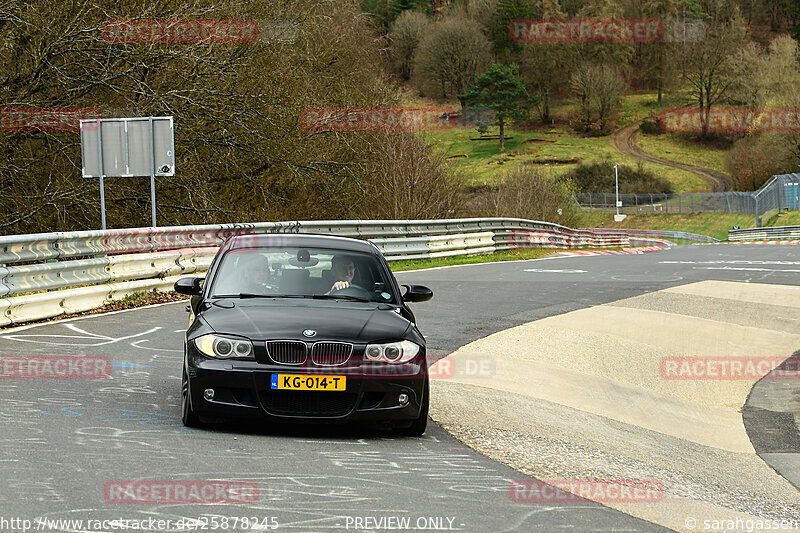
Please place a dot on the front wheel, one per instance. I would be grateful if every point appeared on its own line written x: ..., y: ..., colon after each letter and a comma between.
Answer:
x: 189, y: 416
x: 418, y: 426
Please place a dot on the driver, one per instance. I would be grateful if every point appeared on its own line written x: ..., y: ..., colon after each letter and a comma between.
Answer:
x: 254, y: 272
x: 342, y: 269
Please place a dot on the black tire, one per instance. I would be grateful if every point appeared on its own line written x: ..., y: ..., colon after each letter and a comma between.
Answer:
x: 418, y: 426
x: 189, y: 416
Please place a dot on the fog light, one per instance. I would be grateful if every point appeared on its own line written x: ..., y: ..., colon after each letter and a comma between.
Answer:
x: 403, y: 398
x: 208, y: 394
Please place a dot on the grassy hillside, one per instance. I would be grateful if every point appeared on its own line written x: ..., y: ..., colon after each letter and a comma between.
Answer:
x: 557, y: 148
x: 675, y: 147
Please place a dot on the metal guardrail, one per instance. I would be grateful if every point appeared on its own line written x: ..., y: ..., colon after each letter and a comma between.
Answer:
x: 781, y: 233
x: 48, y: 274
x: 658, y: 234
x: 60, y: 246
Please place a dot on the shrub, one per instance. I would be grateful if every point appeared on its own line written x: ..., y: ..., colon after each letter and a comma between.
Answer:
x: 752, y: 161
x: 599, y: 177
x: 651, y: 125
x: 528, y: 192
x: 404, y: 178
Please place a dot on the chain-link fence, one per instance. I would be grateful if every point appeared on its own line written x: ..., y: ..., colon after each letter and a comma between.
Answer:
x: 779, y: 193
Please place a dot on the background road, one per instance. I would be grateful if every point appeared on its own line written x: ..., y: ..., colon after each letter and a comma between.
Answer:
x: 624, y: 140
x: 62, y: 440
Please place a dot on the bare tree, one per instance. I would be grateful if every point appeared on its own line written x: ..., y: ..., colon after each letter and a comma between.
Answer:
x: 241, y: 152
x: 708, y: 65
x: 599, y: 88
x: 543, y: 64
x: 406, y: 33
x: 451, y: 57
x: 659, y: 60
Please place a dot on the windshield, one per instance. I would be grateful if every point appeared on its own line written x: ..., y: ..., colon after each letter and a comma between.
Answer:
x: 301, y: 272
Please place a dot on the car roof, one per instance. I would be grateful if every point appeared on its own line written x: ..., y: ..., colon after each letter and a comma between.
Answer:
x: 299, y: 239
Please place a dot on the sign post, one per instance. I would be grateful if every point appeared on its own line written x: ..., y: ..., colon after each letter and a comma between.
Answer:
x: 617, y: 217
x: 102, y: 185
x: 128, y: 147
x: 152, y: 171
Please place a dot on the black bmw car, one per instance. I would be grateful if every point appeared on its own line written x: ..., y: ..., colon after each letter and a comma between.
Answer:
x: 303, y: 328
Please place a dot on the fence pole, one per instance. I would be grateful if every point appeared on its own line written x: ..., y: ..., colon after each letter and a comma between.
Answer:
x: 758, y: 216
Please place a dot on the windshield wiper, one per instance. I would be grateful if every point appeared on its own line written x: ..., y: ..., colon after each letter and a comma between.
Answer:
x: 340, y: 297
x: 255, y: 295
x: 244, y: 295
x: 249, y: 295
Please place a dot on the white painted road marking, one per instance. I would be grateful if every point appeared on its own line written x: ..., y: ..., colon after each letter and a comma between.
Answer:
x: 750, y: 269
x: 59, y: 339
x: 136, y: 344
x: 731, y: 262
x: 555, y: 271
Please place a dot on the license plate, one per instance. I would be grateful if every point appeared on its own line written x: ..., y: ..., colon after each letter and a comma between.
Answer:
x: 300, y: 382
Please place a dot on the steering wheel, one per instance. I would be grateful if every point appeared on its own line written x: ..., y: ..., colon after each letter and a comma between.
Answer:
x: 353, y: 290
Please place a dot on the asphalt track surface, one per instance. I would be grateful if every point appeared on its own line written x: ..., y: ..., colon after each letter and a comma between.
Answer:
x: 61, y: 441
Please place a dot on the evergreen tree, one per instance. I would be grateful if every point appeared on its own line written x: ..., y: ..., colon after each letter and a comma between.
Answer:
x: 398, y: 6
x: 502, y: 90
x: 794, y: 11
x: 508, y: 10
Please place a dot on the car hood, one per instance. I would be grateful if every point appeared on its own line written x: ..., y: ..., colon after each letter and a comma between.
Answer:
x: 332, y: 320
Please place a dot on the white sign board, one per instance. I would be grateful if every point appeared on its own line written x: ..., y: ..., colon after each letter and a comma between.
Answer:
x: 129, y: 146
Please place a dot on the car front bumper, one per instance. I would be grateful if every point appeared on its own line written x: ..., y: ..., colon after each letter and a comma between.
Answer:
x: 242, y: 390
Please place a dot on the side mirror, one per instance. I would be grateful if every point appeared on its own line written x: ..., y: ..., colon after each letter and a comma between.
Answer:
x: 417, y: 293
x: 189, y: 286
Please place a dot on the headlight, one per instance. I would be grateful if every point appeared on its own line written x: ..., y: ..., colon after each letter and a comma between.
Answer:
x: 224, y: 347
x: 392, y: 352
